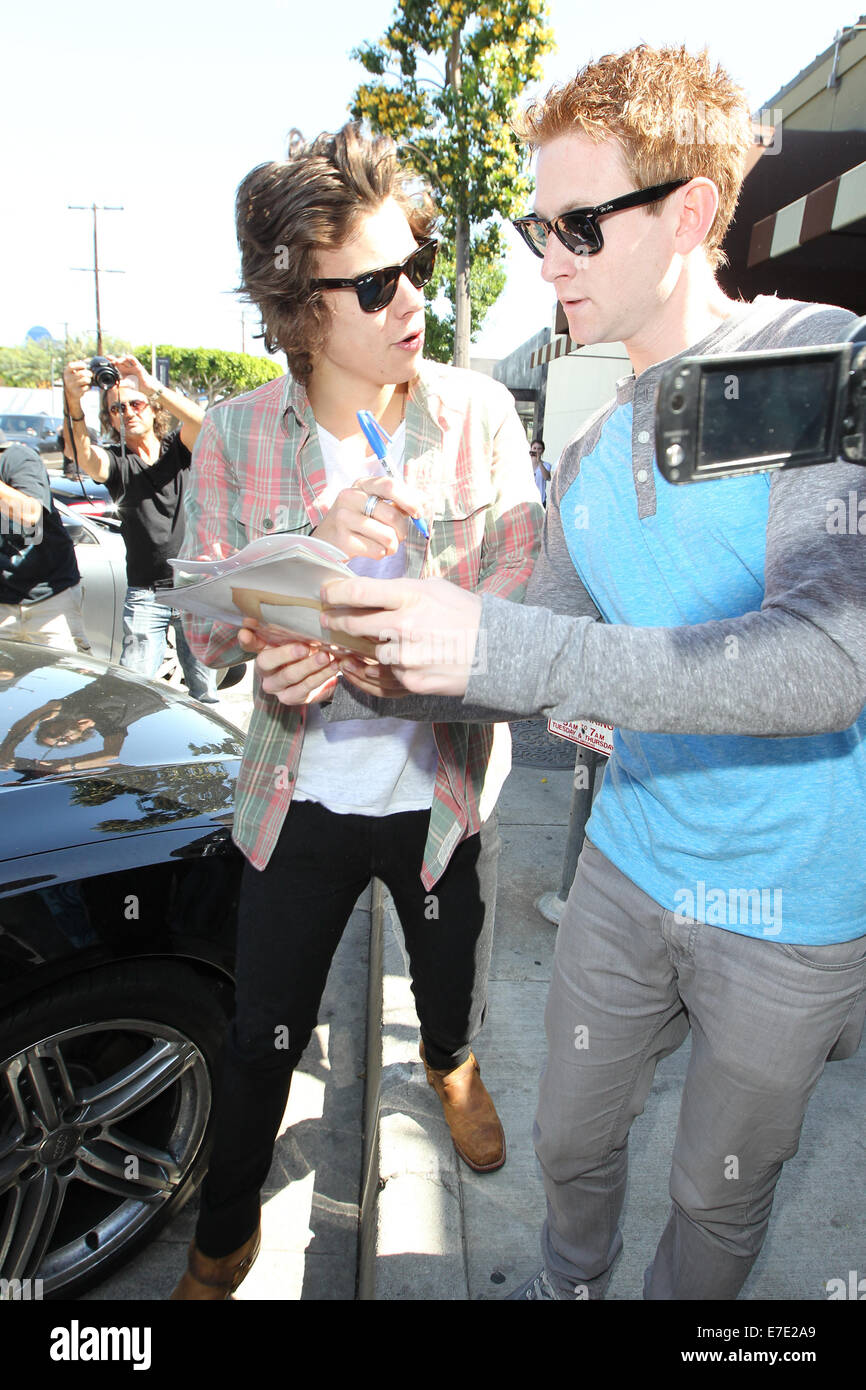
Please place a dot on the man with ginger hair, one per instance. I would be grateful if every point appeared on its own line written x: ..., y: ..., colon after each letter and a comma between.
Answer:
x: 730, y: 655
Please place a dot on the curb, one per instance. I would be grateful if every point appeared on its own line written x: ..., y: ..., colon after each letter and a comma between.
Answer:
x: 412, y: 1200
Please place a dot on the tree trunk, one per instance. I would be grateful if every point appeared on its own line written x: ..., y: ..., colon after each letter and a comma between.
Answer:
x: 462, y: 311
x: 462, y: 305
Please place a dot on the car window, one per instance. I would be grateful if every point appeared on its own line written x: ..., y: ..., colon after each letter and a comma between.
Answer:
x: 78, y: 534
x: 20, y: 424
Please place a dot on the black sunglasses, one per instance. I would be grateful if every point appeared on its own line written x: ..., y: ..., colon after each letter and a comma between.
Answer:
x: 377, y: 288
x: 579, y: 230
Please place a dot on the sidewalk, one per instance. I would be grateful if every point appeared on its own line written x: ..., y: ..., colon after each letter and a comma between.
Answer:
x: 430, y: 1228
x: 436, y: 1230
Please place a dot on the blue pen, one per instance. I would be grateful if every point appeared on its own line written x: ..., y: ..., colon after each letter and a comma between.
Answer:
x: 379, y: 440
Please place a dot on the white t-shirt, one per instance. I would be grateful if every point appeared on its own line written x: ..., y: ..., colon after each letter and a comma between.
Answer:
x: 370, y: 767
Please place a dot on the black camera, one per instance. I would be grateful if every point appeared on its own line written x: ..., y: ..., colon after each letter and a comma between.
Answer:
x: 103, y: 373
x: 717, y: 417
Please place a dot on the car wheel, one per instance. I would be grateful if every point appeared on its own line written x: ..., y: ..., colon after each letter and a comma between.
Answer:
x: 105, y: 1119
x: 171, y: 670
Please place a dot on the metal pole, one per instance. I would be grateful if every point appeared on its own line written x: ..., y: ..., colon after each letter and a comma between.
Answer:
x: 586, y: 764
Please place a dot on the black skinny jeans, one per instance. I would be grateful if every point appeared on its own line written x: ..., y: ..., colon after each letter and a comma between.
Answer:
x: 292, y: 915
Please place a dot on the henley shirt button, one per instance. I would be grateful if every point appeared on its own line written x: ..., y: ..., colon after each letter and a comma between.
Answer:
x: 267, y: 524
x: 643, y: 437
x: 642, y: 475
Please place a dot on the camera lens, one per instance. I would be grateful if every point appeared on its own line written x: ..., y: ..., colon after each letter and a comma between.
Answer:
x: 103, y: 373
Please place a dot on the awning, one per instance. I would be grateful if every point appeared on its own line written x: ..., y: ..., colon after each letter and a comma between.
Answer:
x: 559, y: 346
x: 826, y: 209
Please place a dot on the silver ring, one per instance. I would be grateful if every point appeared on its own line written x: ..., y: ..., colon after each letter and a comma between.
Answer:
x: 370, y: 504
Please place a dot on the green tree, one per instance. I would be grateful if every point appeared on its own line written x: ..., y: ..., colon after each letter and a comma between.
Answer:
x: 456, y: 126
x: 197, y: 371
x: 486, y: 283
x: 31, y: 364
x: 212, y: 372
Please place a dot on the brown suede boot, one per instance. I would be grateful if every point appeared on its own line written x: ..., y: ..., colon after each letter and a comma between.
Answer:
x: 217, y: 1278
x: 470, y: 1113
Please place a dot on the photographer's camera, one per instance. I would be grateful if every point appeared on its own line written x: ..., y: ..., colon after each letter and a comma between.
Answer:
x: 103, y: 373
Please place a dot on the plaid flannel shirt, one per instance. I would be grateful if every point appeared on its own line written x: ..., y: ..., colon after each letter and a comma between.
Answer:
x: 257, y: 469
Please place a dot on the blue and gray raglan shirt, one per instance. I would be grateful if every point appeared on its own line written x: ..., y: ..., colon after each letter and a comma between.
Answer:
x: 731, y: 658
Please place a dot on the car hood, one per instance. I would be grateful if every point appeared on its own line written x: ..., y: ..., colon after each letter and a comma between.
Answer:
x: 63, y: 713
x: 91, y: 753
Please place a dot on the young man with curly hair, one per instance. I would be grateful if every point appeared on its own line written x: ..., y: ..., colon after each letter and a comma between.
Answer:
x: 335, y: 251
x: 722, y: 885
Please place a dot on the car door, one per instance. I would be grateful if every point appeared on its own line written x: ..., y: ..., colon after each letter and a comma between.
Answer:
x: 101, y: 557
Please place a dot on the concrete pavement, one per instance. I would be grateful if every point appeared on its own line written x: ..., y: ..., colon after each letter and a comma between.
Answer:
x: 441, y: 1231
x: 364, y: 1146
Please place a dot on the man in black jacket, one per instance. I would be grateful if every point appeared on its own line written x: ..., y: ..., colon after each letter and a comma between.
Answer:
x: 40, y: 584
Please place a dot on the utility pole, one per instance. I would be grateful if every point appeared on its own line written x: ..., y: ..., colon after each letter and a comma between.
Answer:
x: 94, y: 208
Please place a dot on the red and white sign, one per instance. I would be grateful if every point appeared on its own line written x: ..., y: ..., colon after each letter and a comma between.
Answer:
x: 585, y: 731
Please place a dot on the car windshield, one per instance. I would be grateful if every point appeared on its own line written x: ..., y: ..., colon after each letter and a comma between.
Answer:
x: 24, y: 424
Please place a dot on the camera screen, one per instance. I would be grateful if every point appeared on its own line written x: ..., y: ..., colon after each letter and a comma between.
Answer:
x: 762, y: 410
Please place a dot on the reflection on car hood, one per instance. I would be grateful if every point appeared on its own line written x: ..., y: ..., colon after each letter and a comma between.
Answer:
x: 65, y: 714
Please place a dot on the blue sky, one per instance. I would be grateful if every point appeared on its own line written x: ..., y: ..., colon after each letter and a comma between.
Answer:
x: 164, y: 108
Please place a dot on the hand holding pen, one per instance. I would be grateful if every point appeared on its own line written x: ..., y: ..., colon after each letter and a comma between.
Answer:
x: 379, y: 440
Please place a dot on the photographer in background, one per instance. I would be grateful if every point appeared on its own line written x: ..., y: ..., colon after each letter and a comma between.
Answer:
x: 40, y: 584
x: 540, y: 467
x: 144, y: 469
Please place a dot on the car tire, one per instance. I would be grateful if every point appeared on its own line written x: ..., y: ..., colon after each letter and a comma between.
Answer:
x: 171, y: 670
x: 105, y: 1118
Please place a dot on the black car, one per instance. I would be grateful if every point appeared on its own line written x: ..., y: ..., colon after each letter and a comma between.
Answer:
x: 38, y: 430
x: 118, y: 893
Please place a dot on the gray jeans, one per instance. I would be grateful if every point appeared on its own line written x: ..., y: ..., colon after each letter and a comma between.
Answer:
x: 629, y: 979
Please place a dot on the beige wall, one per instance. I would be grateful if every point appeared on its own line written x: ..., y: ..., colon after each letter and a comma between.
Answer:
x: 577, y: 386
x: 810, y: 105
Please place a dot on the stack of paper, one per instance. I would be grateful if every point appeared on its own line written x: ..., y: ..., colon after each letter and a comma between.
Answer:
x: 275, y: 580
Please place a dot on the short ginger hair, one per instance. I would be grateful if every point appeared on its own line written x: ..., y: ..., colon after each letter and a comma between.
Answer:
x: 673, y: 114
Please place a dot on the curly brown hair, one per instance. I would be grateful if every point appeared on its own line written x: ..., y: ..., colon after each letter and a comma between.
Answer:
x: 162, y: 421
x: 289, y: 210
x: 673, y: 114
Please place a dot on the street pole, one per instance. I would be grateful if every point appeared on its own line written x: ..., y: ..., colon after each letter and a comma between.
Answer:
x: 586, y: 765
x: 96, y: 283
x: 94, y: 208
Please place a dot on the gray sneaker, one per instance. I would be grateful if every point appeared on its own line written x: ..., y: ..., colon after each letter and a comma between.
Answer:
x: 537, y: 1289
